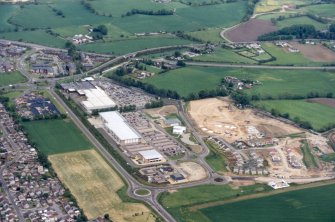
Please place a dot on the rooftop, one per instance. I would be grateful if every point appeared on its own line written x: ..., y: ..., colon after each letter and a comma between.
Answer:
x: 117, y: 124
x: 150, y: 154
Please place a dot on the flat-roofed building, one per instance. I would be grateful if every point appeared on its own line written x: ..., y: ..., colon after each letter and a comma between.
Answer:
x: 96, y: 99
x: 150, y: 156
x: 118, y: 128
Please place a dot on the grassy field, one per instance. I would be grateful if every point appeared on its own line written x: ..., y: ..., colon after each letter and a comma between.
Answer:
x: 6, y: 11
x: 318, y: 115
x: 126, y: 46
x: 215, y: 159
x: 286, y: 58
x: 179, y: 202
x: 328, y: 157
x: 308, y: 159
x: 272, y: 5
x: 303, y: 20
x: 119, y: 7
x: 56, y: 136
x: 208, y: 35
x: 37, y: 37
x: 224, y: 55
x: 325, y: 10
x: 99, y: 186
x: 11, y: 78
x: 275, y: 83
x: 309, y: 205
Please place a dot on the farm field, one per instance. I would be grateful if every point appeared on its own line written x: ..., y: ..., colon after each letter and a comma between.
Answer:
x: 11, y: 78
x: 250, y: 30
x: 6, y: 11
x: 208, y: 35
x: 99, y: 187
x: 224, y: 55
x: 272, y: 5
x: 310, y: 205
x: 179, y: 203
x: 326, y: 10
x: 284, y: 57
x: 304, y: 20
x: 76, y: 19
x: 56, y: 136
x: 318, y: 115
x: 37, y: 37
x: 117, y: 8
x: 315, y: 53
x: 274, y: 83
x: 127, y: 46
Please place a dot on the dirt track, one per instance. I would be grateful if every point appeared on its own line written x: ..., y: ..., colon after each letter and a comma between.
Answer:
x: 249, y: 31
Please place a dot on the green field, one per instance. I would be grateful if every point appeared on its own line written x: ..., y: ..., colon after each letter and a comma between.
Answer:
x: 303, y: 20
x: 325, y: 10
x: 208, y: 35
x: 328, y: 157
x: 37, y: 37
x: 119, y: 7
x: 178, y: 203
x: 76, y: 19
x: 215, y: 159
x: 11, y: 78
x: 6, y: 11
x: 286, y: 58
x: 308, y: 158
x: 318, y: 115
x: 274, y: 83
x: 56, y: 136
x: 224, y: 55
x: 308, y: 205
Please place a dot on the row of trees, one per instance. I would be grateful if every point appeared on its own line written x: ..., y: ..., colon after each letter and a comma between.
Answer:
x: 148, y: 12
x: 154, y: 104
x: 299, y: 32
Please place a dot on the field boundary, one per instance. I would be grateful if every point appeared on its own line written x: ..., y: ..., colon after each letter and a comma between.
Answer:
x: 260, y: 195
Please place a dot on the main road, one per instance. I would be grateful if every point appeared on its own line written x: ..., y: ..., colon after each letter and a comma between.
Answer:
x: 213, y: 64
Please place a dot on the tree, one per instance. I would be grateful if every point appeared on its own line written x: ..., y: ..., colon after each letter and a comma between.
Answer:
x: 101, y: 29
x: 181, y: 63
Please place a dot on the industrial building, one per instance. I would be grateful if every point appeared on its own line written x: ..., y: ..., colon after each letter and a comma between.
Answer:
x: 150, y: 156
x: 96, y: 99
x: 118, y: 128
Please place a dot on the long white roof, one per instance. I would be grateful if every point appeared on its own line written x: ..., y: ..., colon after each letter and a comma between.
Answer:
x: 97, y: 99
x: 116, y: 123
x: 150, y: 154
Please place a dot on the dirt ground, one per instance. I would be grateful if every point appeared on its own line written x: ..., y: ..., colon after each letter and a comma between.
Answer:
x: 324, y: 101
x: 316, y: 53
x: 194, y: 171
x: 162, y: 111
x: 94, y: 184
x: 250, y: 31
x: 219, y: 117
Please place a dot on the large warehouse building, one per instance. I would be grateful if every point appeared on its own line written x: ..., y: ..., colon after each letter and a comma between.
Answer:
x: 96, y: 99
x: 119, y: 129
